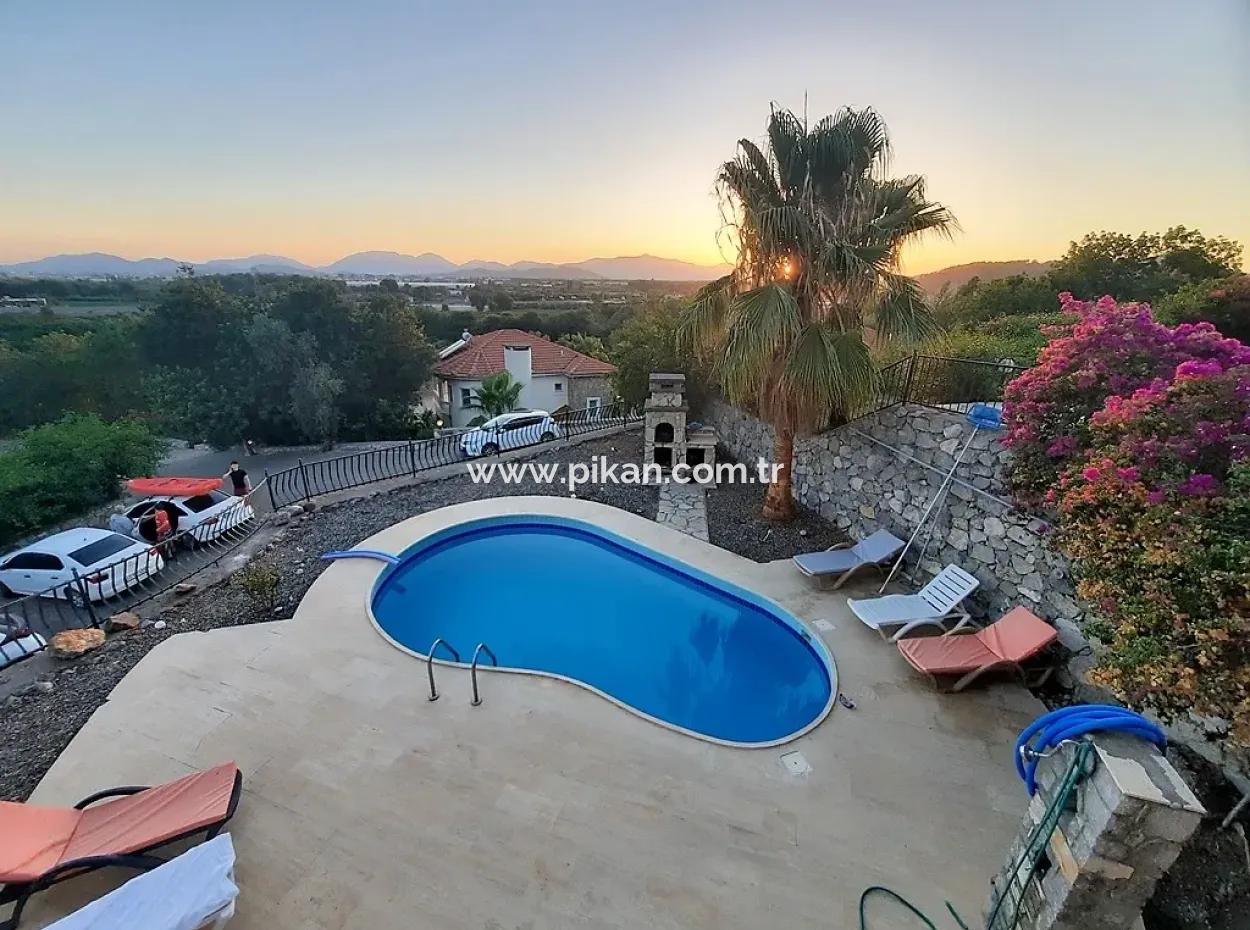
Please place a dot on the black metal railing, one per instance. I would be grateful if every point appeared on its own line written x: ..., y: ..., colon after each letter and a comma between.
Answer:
x: 88, y: 598
x: 937, y: 381
x: 306, y: 480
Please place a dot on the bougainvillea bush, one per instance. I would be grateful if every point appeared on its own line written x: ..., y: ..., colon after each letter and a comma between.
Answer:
x: 1145, y: 458
x: 1107, y: 350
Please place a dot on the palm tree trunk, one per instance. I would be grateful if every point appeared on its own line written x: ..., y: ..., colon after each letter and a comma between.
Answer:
x: 779, y: 499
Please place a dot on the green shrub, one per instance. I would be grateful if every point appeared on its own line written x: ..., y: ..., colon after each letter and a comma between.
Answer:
x: 260, y: 584
x: 63, y: 468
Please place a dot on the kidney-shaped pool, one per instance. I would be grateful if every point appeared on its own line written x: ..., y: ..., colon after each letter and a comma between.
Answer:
x: 560, y: 597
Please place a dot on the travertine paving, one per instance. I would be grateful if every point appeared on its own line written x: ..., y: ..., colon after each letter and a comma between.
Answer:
x: 367, y: 806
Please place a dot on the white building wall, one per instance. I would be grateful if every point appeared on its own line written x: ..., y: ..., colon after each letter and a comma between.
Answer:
x: 539, y: 394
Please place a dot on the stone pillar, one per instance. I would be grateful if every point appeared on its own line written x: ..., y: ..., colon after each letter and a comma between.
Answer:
x: 1132, y: 816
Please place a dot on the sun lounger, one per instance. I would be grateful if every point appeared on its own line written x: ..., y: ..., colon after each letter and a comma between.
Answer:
x: 44, y: 845
x: 842, y: 561
x: 194, y: 891
x: 1007, y: 644
x: 934, y: 606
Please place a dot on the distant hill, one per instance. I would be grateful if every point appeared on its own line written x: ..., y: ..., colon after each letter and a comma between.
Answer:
x: 378, y: 264
x: 958, y: 275
x: 391, y: 263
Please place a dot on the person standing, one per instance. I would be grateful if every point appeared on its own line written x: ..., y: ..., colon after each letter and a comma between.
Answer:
x: 239, y: 481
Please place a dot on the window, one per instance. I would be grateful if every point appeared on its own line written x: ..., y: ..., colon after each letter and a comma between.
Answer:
x: 466, y: 397
x: 592, y: 403
x: 35, y: 561
x: 202, y: 502
x: 101, y: 549
x: 559, y: 386
x: 523, y: 422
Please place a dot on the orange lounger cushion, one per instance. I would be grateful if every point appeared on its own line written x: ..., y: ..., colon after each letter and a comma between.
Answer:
x: 38, y: 838
x: 1018, y: 636
x: 155, y: 816
x: 946, y: 655
x: 34, y: 839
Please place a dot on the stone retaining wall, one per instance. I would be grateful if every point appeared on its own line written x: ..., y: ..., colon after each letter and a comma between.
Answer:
x: 882, y: 471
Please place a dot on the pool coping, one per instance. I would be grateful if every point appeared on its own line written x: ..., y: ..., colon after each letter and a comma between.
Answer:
x: 629, y: 529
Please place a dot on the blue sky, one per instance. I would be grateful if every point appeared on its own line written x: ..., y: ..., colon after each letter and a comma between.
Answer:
x: 559, y: 131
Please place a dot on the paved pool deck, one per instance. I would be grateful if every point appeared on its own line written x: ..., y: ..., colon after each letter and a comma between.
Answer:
x: 367, y: 806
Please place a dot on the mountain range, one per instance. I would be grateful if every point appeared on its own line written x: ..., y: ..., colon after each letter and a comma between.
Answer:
x: 426, y: 265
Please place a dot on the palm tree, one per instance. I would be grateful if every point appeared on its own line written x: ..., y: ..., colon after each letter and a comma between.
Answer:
x: 818, y: 226
x: 498, y: 394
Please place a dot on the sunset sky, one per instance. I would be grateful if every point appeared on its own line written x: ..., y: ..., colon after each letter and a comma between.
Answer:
x: 559, y: 131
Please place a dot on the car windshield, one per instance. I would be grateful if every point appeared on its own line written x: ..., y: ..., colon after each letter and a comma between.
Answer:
x: 101, y: 549
x: 496, y: 421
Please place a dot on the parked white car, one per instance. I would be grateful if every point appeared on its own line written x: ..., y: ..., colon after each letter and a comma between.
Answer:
x: 107, y: 562
x: 17, y: 641
x: 510, y: 431
x: 207, y: 515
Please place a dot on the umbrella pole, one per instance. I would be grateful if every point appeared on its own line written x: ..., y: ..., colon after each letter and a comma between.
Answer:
x: 950, y: 476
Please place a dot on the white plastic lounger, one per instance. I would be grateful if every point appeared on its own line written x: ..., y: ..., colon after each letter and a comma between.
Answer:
x: 933, y: 606
x: 192, y: 891
x: 844, y: 560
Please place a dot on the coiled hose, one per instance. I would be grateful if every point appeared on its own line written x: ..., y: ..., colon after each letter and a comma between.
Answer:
x: 1047, y: 732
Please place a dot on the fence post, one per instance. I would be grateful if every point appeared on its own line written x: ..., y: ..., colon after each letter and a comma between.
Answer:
x: 412, y: 457
x: 269, y: 487
x: 86, y: 597
x: 303, y: 473
x: 911, y: 373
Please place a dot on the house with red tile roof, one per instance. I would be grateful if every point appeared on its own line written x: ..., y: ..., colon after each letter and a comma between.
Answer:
x: 552, y: 376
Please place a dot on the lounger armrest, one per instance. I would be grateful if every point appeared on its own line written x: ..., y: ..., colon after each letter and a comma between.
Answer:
x: 109, y: 793
x: 842, y: 545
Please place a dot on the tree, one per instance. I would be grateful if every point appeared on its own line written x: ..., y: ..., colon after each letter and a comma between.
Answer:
x: 646, y: 343
x: 479, y: 296
x: 498, y: 394
x: 1225, y: 304
x: 819, y: 227
x: 314, y: 402
x: 391, y: 362
x: 1142, y: 267
x: 500, y: 302
x: 388, y: 286
x: 587, y: 345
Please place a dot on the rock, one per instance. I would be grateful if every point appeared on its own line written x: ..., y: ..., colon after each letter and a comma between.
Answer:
x: 36, y: 687
x: 159, y: 625
x: 309, y: 506
x: 958, y: 539
x: 983, y: 553
x: 953, y: 430
x: 949, y: 445
x: 993, y: 527
x: 119, y: 623
x: 281, y: 518
x: 185, y: 587
x: 70, y: 644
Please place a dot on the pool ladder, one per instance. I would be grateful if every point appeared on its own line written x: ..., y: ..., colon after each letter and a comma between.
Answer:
x: 477, y: 654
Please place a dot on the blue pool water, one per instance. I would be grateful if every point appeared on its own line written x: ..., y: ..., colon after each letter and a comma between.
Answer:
x: 563, y: 597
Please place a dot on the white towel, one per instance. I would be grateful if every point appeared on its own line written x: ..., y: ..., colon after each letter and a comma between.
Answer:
x: 194, y: 890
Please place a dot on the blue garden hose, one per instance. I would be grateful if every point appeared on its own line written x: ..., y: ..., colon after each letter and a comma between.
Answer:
x: 1070, y: 723
x: 361, y: 554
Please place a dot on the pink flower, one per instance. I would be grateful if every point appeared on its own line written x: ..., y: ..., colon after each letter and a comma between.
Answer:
x: 1091, y: 474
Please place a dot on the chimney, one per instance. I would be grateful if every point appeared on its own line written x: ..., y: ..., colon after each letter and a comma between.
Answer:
x: 516, y: 361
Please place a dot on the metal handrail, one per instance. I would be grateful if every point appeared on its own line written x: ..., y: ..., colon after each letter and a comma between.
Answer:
x: 429, y: 662
x: 481, y: 647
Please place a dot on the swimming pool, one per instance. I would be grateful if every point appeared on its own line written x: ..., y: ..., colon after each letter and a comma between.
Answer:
x: 555, y: 596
